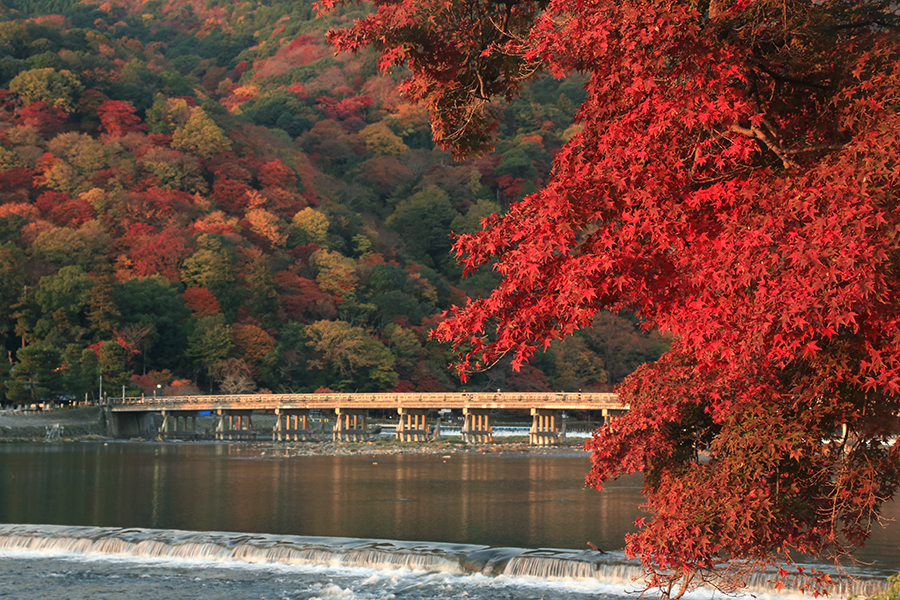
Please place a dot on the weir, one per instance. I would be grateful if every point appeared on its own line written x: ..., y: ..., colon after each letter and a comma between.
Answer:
x: 459, y: 559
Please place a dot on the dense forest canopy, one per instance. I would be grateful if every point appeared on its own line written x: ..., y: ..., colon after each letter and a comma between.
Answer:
x: 733, y: 179
x: 204, y: 197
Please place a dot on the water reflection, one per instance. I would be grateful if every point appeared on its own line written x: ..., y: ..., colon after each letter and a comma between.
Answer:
x: 522, y: 501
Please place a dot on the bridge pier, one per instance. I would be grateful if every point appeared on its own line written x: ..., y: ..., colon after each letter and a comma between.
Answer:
x: 351, y: 425
x: 291, y: 422
x: 477, y: 425
x: 170, y: 428
x: 411, y: 426
x: 544, y: 429
x: 239, y: 427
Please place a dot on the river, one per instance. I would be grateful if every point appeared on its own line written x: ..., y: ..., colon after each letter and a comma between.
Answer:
x: 142, y: 520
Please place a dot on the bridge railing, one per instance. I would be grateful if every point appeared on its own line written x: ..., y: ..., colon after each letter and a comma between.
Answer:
x: 429, y: 399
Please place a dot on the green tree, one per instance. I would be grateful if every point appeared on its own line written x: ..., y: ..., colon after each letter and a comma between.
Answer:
x: 12, y: 285
x: 173, y: 170
x: 57, y: 88
x: 209, y: 343
x: 79, y: 161
x: 471, y: 221
x: 76, y: 380
x: 380, y: 140
x: 200, y: 136
x: 56, y: 311
x: 424, y: 222
x: 335, y: 274
x: 63, y: 246
x: 90, y: 371
x: 349, y: 358
x: 153, y: 319
x: 35, y: 376
x: 214, y: 267
x: 111, y: 361
x: 4, y: 377
x: 310, y: 226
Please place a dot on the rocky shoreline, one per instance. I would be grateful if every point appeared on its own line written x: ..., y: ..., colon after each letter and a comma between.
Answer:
x: 390, y: 447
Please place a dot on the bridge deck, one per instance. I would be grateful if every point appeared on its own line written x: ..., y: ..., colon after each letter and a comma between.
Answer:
x: 330, y: 401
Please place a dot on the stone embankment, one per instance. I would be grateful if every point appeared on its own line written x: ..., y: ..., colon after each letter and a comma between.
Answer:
x: 68, y: 423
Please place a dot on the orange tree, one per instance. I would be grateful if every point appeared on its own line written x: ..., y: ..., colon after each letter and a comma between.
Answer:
x: 734, y: 182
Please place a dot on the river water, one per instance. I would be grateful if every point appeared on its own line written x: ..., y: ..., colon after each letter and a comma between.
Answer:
x: 143, y: 520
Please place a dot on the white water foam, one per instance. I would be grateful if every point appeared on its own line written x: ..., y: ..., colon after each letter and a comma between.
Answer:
x: 387, y: 562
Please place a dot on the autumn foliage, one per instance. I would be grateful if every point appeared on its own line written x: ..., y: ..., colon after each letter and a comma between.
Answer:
x: 733, y: 180
x: 207, y: 190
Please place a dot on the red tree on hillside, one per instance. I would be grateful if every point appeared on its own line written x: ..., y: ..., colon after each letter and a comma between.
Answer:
x: 735, y: 183
x: 118, y: 118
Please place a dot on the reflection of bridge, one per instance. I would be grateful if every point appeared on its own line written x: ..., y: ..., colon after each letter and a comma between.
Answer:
x: 293, y: 413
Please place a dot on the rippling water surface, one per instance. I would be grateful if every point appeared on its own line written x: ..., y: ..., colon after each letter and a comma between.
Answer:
x: 372, y: 526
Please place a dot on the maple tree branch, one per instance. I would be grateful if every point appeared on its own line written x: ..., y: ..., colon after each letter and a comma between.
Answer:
x: 787, y: 79
x: 757, y: 134
x: 817, y: 148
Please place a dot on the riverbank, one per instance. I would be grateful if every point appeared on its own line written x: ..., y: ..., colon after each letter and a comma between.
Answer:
x: 72, y: 423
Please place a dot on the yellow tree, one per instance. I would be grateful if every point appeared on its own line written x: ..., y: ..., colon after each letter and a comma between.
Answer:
x: 200, y: 136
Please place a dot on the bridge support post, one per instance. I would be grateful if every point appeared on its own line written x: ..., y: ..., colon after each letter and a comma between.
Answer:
x: 351, y: 425
x: 239, y: 426
x: 291, y: 422
x: 164, y: 426
x: 477, y: 425
x: 544, y: 428
x: 170, y: 424
x: 411, y: 427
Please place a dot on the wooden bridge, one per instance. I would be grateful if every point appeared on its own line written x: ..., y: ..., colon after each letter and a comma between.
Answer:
x: 134, y: 417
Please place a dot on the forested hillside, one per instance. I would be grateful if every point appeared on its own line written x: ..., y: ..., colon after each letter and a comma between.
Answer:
x: 203, y: 197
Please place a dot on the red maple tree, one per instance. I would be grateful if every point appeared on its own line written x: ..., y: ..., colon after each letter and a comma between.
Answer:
x: 118, y: 117
x: 734, y: 182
